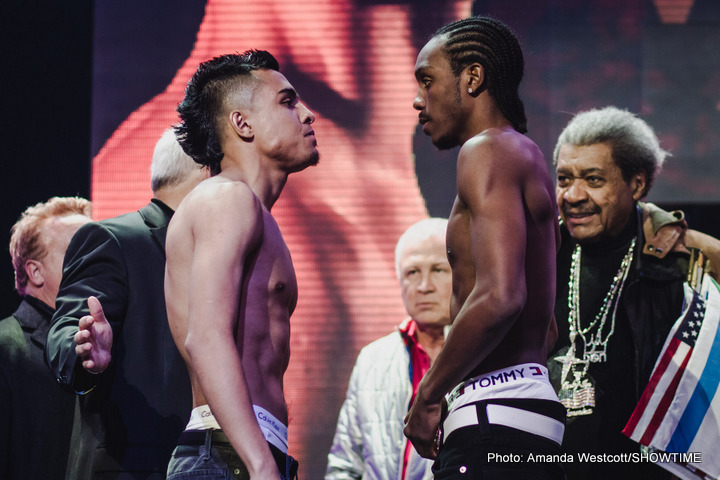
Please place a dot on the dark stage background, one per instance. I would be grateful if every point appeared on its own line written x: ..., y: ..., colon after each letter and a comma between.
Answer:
x: 46, y: 87
x: 96, y: 83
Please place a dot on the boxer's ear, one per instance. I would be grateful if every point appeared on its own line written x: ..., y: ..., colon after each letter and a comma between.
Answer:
x: 239, y: 124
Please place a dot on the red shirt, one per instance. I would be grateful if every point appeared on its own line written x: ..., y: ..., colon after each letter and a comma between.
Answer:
x: 419, y: 365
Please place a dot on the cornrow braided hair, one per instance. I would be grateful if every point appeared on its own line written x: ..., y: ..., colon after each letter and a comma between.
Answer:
x: 493, y: 45
x: 204, y: 96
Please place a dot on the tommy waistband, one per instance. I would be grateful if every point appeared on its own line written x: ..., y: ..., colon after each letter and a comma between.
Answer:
x: 526, y: 380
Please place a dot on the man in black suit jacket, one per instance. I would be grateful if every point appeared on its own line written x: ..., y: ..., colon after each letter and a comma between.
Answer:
x: 36, y: 414
x: 135, y: 397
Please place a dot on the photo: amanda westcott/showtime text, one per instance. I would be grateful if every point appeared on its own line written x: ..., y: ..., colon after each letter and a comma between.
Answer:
x: 637, y: 457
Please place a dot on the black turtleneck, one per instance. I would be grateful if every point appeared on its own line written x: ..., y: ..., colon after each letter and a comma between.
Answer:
x: 599, y: 265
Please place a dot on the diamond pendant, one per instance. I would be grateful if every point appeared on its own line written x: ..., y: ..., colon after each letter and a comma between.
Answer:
x: 578, y: 399
x: 576, y: 393
x: 595, y: 356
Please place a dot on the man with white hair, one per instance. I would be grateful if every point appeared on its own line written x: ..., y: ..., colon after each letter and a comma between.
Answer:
x: 110, y: 341
x: 620, y: 273
x: 387, y: 372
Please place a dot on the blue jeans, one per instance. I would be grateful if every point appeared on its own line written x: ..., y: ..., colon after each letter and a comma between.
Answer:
x: 208, y: 455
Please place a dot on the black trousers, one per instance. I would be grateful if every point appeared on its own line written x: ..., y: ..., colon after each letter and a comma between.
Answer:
x: 497, y: 452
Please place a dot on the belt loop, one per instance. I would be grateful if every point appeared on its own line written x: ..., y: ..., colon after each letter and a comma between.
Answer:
x: 208, y: 444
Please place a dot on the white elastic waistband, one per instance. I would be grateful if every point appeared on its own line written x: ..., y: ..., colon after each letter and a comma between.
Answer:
x: 513, y: 417
x: 274, y: 431
x: 527, y: 380
x: 201, y: 418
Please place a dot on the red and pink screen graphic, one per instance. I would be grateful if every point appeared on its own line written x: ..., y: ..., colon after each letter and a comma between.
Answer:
x: 353, y: 66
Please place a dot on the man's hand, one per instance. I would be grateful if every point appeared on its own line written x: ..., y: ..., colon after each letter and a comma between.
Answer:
x: 422, y: 426
x: 94, y: 339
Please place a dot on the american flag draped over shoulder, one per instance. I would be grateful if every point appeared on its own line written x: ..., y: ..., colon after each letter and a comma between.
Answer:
x: 679, y: 411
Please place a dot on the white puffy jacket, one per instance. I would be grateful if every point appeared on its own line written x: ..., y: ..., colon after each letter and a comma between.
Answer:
x: 369, y: 443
